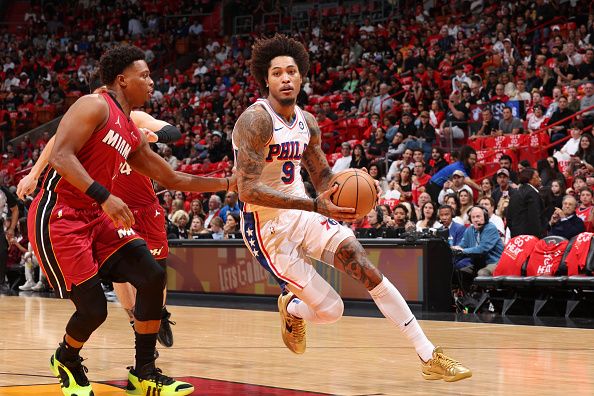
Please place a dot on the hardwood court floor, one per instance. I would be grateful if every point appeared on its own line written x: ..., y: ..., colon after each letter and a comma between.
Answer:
x: 356, y: 356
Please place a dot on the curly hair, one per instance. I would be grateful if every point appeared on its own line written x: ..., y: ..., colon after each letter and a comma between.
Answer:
x: 266, y: 49
x: 115, y: 60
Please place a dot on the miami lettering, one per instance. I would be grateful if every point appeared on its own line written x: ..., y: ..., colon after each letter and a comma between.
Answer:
x: 286, y: 151
x: 116, y: 141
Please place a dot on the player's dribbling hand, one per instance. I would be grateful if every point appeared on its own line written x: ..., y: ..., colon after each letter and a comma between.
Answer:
x: 328, y: 209
x: 118, y: 212
x: 26, y: 186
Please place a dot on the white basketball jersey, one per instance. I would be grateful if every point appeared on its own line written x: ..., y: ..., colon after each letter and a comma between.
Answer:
x: 283, y: 154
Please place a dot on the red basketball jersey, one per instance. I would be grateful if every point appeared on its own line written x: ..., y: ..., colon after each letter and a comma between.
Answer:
x: 102, y: 156
x: 134, y: 189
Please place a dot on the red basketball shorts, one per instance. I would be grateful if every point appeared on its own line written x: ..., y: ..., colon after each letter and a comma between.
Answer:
x: 150, y: 225
x: 72, y: 244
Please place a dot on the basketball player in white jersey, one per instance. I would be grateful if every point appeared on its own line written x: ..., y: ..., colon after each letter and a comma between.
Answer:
x: 281, y: 225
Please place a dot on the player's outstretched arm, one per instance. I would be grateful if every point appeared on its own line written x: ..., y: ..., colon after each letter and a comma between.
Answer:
x: 149, y: 163
x: 314, y: 159
x: 86, y: 115
x: 163, y: 131
x: 252, y: 133
x: 28, y: 183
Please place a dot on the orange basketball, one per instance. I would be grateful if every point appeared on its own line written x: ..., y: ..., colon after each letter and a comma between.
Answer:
x: 356, y: 189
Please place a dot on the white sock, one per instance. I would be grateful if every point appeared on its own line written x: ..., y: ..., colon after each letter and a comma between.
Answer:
x: 300, y: 309
x: 389, y: 300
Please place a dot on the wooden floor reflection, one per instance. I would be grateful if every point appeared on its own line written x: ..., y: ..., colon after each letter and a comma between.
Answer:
x: 240, y: 352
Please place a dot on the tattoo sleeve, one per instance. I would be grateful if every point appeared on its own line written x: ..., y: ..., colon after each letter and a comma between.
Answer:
x: 252, y: 133
x: 314, y: 159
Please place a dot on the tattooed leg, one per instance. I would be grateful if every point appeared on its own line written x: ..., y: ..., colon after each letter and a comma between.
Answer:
x: 351, y: 258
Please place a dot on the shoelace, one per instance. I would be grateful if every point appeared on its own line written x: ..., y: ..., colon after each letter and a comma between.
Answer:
x: 447, y: 362
x: 157, y: 376
x: 298, y: 329
x: 79, y: 371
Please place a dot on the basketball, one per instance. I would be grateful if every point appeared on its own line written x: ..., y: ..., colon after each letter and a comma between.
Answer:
x: 356, y: 189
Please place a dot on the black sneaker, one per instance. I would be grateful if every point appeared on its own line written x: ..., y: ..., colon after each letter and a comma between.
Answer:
x: 165, y: 336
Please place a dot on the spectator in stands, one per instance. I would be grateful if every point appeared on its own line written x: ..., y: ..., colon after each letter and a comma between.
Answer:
x: 359, y: 158
x: 505, y: 162
x: 481, y: 240
x: 557, y: 191
x: 401, y: 218
x: 489, y: 204
x: 397, y: 166
x: 504, y: 188
x: 536, y: 120
x: 231, y: 227
x: 487, y: 127
x: 346, y: 104
x: 408, y: 130
x: 379, y: 145
x: 456, y: 230
x: 436, y: 162
x: 453, y: 201
x: 216, y: 228
x: 584, y: 210
x: 196, y: 210
x: 425, y: 135
x: 456, y: 121
x: 560, y: 116
x: 585, y: 153
x: 548, y: 169
x: 465, y: 165
x: 521, y: 93
x: 525, y: 209
x: 564, y: 71
x: 486, y: 188
x: 466, y: 202
x: 220, y: 149
x: 586, y: 102
x: 428, y: 218
x: 460, y: 80
x: 454, y: 186
x: 366, y: 103
x: 382, y: 102
x: 508, y: 123
x: 564, y: 221
x: 585, y: 71
x: 345, y: 161
x: 178, y: 228
x: 214, y: 208
x: 231, y: 206
x: 375, y: 171
x: 197, y: 230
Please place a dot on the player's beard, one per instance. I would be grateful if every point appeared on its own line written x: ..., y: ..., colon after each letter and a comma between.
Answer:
x: 287, y: 101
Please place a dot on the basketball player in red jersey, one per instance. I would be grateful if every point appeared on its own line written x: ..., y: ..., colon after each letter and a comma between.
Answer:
x: 137, y: 192
x: 80, y: 231
x: 282, y: 225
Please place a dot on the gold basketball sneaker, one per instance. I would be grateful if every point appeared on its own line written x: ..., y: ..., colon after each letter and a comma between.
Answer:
x: 292, y: 327
x: 442, y: 367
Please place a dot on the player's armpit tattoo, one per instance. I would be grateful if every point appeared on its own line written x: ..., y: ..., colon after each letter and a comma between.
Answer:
x: 351, y: 259
x: 314, y: 158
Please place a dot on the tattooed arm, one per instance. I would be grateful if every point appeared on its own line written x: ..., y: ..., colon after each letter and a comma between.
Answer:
x: 314, y: 159
x: 252, y: 133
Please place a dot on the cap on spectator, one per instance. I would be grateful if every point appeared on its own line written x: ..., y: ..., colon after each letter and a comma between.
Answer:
x: 507, y: 39
x: 406, y: 115
x: 424, y: 113
x: 555, y: 27
x: 23, y: 74
x: 458, y: 172
x: 217, y: 133
x: 503, y: 171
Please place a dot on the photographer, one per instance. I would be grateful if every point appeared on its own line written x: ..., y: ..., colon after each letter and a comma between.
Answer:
x: 564, y: 222
x: 481, y: 241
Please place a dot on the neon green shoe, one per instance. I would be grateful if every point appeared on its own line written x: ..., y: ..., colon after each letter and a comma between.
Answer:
x: 72, y: 376
x: 153, y: 382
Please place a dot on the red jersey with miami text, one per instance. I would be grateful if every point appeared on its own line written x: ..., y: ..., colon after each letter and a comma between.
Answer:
x: 102, y: 156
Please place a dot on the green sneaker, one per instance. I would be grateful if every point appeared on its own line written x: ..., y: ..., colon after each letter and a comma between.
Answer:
x: 72, y: 376
x: 153, y: 382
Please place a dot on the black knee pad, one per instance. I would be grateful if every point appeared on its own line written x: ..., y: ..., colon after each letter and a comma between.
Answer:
x: 91, y: 311
x: 148, y: 276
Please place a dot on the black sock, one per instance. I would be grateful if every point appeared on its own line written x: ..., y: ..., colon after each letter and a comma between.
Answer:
x: 67, y: 352
x: 145, y: 351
